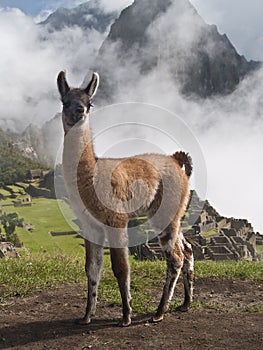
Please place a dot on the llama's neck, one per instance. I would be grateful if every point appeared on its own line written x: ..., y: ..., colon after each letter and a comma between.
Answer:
x: 78, y: 154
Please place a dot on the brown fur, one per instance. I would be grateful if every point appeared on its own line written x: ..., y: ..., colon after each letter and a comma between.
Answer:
x: 115, y: 190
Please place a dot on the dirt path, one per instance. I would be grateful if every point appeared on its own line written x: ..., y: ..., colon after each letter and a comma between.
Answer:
x: 46, y: 321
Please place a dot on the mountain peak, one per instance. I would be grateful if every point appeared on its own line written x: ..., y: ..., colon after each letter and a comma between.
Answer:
x: 137, y: 18
x: 171, y: 35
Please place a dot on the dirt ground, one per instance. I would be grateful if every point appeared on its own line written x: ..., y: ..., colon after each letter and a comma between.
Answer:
x: 225, y: 321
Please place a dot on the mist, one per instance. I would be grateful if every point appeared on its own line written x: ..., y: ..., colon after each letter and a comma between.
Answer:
x: 241, y: 20
x: 30, y: 63
x: 229, y: 129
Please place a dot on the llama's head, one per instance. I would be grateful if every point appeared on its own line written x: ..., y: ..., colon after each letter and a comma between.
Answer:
x: 76, y: 101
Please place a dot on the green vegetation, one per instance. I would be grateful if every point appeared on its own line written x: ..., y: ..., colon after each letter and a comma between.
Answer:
x: 22, y: 277
x: 45, y: 215
x: 4, y: 192
x: 10, y: 222
x: 259, y: 249
x: 27, y: 276
x: 235, y: 269
x: 13, y: 166
x: 17, y: 190
x: 209, y: 233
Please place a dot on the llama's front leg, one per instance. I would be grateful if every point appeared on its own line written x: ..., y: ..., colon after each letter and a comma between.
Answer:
x: 94, y: 265
x: 188, y: 276
x: 174, y: 260
x: 121, y: 270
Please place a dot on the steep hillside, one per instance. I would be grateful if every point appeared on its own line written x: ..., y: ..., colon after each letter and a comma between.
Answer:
x: 13, y: 166
x: 41, y: 144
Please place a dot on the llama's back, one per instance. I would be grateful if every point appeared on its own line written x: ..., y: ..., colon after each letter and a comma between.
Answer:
x: 141, y: 183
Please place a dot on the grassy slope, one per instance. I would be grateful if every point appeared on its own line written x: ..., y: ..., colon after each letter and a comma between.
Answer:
x: 4, y: 192
x: 45, y: 215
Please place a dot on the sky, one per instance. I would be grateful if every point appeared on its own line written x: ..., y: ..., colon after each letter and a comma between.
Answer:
x: 39, y: 9
x: 229, y: 130
x: 34, y: 7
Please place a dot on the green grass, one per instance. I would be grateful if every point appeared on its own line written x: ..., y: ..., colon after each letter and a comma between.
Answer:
x: 4, y: 192
x: 147, y: 278
x: 15, y: 189
x: 235, y: 269
x: 45, y: 216
x: 259, y: 249
x: 209, y: 233
x: 23, y: 277
x: 254, y: 308
x: 27, y: 276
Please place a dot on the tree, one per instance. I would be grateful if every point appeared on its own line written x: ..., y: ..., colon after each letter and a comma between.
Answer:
x: 10, y: 222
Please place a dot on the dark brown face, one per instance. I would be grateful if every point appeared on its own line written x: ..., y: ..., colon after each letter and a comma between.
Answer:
x: 76, y: 102
x: 76, y: 106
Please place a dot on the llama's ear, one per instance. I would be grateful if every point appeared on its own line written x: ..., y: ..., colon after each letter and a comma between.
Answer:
x: 92, y: 88
x: 63, y: 87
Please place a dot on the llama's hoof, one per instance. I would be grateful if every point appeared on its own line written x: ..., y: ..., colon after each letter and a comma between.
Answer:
x: 156, y: 319
x: 83, y: 321
x: 182, y: 308
x: 124, y: 323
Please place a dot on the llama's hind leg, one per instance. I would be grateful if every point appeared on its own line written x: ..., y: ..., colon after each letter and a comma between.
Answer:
x: 94, y: 265
x: 121, y: 270
x: 174, y: 260
x: 188, y: 276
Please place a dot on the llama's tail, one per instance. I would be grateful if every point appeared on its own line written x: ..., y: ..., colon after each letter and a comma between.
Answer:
x: 185, y: 160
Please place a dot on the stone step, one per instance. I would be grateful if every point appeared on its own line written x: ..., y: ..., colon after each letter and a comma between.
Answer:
x: 154, y: 245
x: 156, y: 250
x: 207, y: 257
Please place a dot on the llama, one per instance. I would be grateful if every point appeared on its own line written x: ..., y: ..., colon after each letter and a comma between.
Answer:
x: 112, y: 191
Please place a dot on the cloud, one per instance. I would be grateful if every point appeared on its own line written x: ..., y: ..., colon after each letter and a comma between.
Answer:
x: 114, y: 5
x: 231, y: 137
x: 229, y: 129
x: 240, y: 20
x: 30, y: 62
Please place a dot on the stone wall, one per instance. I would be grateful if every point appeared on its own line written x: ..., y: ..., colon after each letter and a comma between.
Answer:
x: 38, y: 192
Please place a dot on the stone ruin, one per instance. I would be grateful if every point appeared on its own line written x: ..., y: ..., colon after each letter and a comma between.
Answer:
x: 23, y: 202
x: 217, y: 238
x: 213, y: 237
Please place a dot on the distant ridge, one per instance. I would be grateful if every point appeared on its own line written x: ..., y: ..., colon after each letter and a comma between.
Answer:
x: 88, y: 15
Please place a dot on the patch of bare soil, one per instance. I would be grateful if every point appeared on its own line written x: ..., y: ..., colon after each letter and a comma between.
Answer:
x: 225, y: 321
